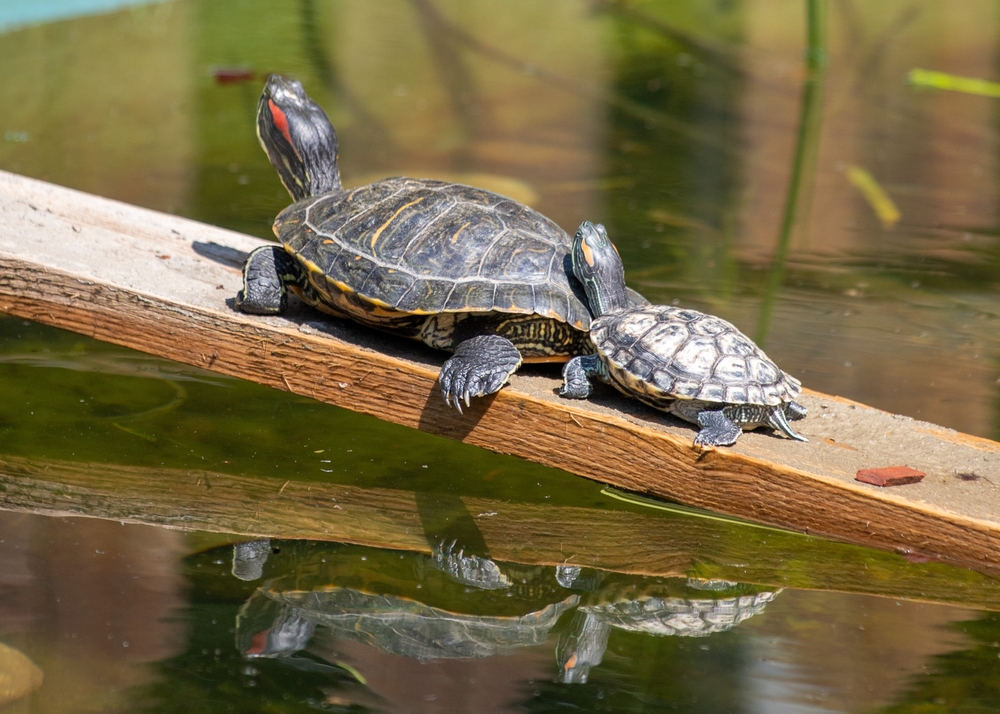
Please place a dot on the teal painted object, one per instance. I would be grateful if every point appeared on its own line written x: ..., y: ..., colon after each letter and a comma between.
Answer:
x: 18, y: 13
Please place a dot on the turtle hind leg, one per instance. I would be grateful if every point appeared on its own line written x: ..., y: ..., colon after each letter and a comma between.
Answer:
x: 717, y: 429
x: 480, y: 366
x: 268, y: 271
x: 777, y: 421
x: 795, y: 411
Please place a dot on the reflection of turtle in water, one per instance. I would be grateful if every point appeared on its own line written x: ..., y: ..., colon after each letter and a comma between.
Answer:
x: 397, y: 625
x: 249, y: 558
x: 673, y: 607
x: 446, y: 605
x: 478, y: 571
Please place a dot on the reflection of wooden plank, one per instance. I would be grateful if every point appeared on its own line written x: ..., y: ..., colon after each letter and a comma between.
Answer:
x: 648, y: 543
x: 160, y: 284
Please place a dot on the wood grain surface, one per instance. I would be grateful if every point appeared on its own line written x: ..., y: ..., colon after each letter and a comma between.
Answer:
x: 624, y: 540
x: 164, y: 285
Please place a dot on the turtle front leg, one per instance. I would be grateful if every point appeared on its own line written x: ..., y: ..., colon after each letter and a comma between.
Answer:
x: 474, y: 570
x: 268, y: 271
x: 577, y: 374
x: 479, y: 366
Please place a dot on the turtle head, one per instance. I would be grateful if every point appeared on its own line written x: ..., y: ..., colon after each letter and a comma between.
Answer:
x: 598, y: 266
x: 298, y: 138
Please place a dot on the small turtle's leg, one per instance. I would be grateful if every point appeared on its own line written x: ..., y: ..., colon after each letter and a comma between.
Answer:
x: 581, y: 647
x: 717, y: 429
x: 795, y: 411
x: 480, y: 366
x: 577, y: 374
x: 249, y: 558
x: 776, y: 420
x: 267, y: 272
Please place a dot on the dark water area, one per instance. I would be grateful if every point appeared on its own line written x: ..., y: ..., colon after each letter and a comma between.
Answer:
x: 841, y: 215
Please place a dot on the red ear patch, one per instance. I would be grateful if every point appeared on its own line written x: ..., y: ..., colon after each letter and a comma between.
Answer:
x: 588, y: 254
x: 258, y: 643
x: 280, y: 120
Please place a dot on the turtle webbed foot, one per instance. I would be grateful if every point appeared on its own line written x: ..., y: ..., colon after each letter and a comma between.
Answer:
x: 481, y: 365
x: 717, y: 429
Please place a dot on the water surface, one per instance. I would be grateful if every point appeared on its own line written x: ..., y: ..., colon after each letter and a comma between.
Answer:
x: 675, y: 124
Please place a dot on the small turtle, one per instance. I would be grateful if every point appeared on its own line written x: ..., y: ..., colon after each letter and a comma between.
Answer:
x: 650, y: 609
x: 695, y: 366
x: 460, y: 268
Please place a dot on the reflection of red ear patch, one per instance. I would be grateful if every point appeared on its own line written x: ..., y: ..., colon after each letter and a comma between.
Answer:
x: 280, y: 120
x: 258, y: 645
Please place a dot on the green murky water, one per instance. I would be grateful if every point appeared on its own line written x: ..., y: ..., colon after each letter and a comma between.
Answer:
x: 680, y: 125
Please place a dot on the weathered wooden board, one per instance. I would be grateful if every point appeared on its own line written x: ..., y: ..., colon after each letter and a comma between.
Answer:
x: 619, y: 540
x: 164, y: 285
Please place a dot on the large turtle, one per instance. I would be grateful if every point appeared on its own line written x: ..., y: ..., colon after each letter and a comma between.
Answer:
x: 397, y: 625
x: 404, y: 604
x: 460, y: 268
x: 696, y: 366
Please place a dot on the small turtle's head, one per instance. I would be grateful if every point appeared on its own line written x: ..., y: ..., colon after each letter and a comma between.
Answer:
x: 598, y: 266
x: 298, y: 138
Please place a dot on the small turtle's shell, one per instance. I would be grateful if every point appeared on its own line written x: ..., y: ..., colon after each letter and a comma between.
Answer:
x: 420, y: 247
x: 661, y: 352
x: 684, y: 617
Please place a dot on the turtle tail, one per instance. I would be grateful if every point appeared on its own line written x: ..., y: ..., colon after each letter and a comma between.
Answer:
x: 778, y: 422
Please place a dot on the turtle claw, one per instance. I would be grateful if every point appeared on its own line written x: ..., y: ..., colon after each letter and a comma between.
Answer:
x: 481, y: 365
x: 452, y: 400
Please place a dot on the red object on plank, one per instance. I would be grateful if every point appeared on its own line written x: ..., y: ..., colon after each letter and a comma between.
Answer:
x: 232, y: 75
x: 890, y: 476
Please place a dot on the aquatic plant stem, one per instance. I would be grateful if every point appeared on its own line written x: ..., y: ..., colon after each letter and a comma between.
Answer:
x: 803, y: 162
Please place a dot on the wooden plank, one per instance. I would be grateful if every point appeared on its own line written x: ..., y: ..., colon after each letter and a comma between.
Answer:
x: 647, y: 542
x: 164, y: 285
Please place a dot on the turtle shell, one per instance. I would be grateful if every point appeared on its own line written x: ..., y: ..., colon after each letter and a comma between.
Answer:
x: 664, y: 352
x: 684, y: 617
x: 401, y: 625
x: 419, y: 246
